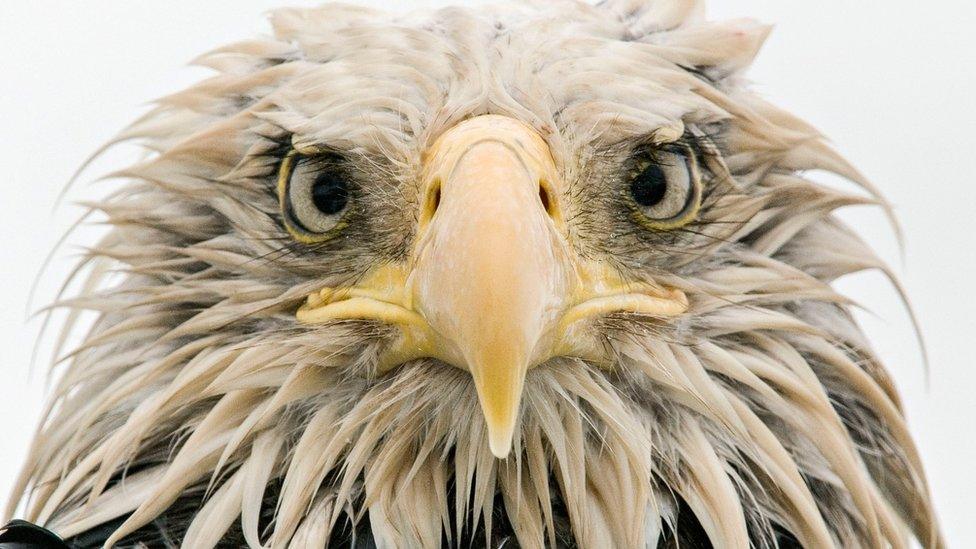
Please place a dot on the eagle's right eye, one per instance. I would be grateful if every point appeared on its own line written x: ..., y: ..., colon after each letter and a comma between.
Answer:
x: 314, y: 195
x: 329, y: 194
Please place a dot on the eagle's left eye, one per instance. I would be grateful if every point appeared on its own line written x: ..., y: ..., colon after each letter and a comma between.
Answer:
x: 314, y: 195
x: 664, y: 189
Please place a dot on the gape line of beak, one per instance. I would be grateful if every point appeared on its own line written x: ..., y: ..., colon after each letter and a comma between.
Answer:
x: 492, y: 286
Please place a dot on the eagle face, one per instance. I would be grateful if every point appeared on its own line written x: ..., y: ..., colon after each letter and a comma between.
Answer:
x: 487, y: 277
x: 545, y: 274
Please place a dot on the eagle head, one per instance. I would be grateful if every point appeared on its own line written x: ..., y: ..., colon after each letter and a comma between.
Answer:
x: 542, y: 273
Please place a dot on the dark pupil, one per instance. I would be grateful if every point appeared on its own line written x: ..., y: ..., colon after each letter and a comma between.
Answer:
x: 329, y: 194
x: 650, y: 186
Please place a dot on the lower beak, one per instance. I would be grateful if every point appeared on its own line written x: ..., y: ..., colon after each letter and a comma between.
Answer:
x: 492, y: 286
x: 490, y: 275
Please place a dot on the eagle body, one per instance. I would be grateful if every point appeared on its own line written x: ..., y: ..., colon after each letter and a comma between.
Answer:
x: 536, y: 274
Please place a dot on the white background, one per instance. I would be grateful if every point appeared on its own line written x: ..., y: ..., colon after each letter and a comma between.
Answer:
x: 893, y: 83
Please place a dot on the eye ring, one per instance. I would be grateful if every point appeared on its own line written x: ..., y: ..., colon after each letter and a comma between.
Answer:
x: 664, y: 188
x: 314, y: 197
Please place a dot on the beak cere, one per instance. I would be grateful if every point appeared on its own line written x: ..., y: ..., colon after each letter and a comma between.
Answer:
x: 490, y: 274
x: 492, y: 285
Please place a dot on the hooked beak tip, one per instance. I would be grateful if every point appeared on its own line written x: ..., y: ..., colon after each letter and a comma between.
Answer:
x: 501, y: 427
x: 500, y: 394
x: 500, y: 443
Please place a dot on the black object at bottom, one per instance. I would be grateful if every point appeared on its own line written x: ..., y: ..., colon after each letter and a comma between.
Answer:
x: 20, y: 534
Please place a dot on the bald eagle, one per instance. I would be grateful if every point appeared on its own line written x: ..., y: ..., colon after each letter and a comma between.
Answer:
x: 538, y: 274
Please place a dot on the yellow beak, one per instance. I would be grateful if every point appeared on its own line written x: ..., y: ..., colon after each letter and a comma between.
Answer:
x: 490, y: 274
x: 492, y: 285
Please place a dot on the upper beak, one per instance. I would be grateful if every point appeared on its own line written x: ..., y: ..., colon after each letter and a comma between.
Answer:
x: 491, y: 271
x: 492, y: 286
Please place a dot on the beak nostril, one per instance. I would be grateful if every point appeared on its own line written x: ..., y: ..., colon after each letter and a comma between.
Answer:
x: 435, y: 202
x: 431, y: 204
x: 545, y: 199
